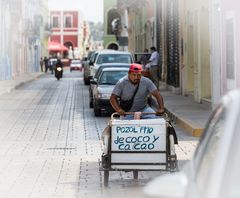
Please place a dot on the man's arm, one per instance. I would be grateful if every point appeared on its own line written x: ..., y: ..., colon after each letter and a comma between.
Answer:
x: 159, y: 98
x: 115, y: 105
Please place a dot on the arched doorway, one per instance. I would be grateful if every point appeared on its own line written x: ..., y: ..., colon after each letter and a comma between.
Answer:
x: 113, y: 46
x: 112, y: 15
x: 68, y: 53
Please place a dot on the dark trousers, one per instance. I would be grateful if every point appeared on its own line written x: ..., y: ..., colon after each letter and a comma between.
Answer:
x: 154, y: 74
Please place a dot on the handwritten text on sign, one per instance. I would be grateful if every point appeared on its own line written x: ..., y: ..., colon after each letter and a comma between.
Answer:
x: 135, y: 138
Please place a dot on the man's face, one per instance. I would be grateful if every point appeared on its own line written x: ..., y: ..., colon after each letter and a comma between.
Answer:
x: 135, y: 77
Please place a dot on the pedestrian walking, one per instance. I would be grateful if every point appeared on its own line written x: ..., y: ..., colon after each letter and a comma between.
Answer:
x: 45, y: 63
x: 41, y: 64
x: 154, y: 61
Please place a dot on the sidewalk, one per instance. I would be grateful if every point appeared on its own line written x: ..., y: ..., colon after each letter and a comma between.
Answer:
x: 189, y: 115
x: 6, y: 86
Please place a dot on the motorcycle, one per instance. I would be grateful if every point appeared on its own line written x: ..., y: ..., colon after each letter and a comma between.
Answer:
x: 58, y: 72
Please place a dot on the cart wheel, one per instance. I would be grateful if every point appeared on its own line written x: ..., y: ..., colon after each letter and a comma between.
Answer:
x: 135, y: 174
x: 96, y: 110
x: 106, y: 178
x: 173, y: 156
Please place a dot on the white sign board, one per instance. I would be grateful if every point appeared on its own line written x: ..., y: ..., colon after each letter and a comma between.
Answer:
x: 139, y: 137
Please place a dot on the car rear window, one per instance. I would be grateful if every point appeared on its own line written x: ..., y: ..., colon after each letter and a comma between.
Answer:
x: 114, y: 58
x: 111, y: 77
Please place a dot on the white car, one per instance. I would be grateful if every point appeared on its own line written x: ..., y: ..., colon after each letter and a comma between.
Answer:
x: 76, y: 65
x: 214, y: 170
x: 109, y: 56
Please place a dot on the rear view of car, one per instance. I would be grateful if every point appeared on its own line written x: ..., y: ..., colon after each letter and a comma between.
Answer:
x: 103, y: 89
x: 97, y: 74
x: 111, y: 57
x: 105, y: 56
x: 76, y: 65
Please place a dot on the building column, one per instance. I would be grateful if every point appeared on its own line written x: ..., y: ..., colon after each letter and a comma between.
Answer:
x: 215, y: 30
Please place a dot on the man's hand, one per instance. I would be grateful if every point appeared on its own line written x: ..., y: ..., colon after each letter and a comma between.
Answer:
x: 121, y: 112
x: 160, y: 112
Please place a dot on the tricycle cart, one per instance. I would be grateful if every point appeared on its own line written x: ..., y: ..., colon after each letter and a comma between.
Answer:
x: 139, y: 145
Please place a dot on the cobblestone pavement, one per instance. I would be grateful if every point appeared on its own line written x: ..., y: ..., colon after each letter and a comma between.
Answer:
x: 50, y: 144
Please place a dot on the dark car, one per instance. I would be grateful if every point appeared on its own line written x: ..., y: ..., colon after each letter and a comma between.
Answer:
x: 97, y: 74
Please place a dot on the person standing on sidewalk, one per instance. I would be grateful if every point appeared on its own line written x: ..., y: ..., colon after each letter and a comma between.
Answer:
x: 154, y: 69
x: 41, y: 64
x: 46, y: 63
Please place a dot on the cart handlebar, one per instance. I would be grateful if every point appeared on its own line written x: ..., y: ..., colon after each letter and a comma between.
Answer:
x: 116, y: 114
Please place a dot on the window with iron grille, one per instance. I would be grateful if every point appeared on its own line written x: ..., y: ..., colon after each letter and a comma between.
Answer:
x: 55, y: 21
x: 68, y: 21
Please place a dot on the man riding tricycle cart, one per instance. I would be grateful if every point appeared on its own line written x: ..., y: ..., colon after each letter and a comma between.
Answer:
x: 137, y: 137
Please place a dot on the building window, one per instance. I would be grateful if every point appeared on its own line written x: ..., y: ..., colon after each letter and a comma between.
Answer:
x: 55, y: 22
x: 230, y: 49
x: 68, y: 22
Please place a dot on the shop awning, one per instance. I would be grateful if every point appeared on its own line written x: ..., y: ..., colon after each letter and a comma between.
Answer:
x: 55, y: 46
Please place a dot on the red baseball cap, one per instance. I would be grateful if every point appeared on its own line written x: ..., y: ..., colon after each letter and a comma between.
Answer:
x: 135, y: 67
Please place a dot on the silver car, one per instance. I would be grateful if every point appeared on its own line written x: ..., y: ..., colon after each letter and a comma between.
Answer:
x: 103, y: 89
x: 97, y: 74
x: 214, y: 170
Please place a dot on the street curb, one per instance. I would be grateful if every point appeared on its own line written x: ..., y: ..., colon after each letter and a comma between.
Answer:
x: 189, y: 127
x: 21, y: 83
x: 27, y: 81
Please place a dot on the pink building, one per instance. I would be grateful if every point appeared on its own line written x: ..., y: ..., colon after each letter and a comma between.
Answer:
x: 67, y: 30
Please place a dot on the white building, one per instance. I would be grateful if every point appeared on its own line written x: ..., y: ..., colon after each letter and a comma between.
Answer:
x: 20, y: 38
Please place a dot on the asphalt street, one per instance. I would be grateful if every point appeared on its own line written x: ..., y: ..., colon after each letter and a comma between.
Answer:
x: 50, y: 144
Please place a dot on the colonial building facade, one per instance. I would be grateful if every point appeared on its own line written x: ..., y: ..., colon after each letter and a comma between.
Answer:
x: 21, y: 23
x: 197, y: 41
x: 70, y: 30
x: 111, y: 13
x: 225, y: 42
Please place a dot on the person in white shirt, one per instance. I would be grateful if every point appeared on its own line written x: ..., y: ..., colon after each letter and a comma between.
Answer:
x: 154, y: 61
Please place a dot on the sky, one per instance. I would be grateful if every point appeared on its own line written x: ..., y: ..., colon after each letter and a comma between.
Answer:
x: 92, y: 10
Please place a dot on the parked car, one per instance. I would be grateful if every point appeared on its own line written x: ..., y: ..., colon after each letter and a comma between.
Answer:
x: 76, y: 64
x: 85, y: 61
x: 86, y: 66
x: 97, y: 74
x: 214, y: 170
x: 66, y: 62
x: 105, y: 56
x: 103, y: 89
